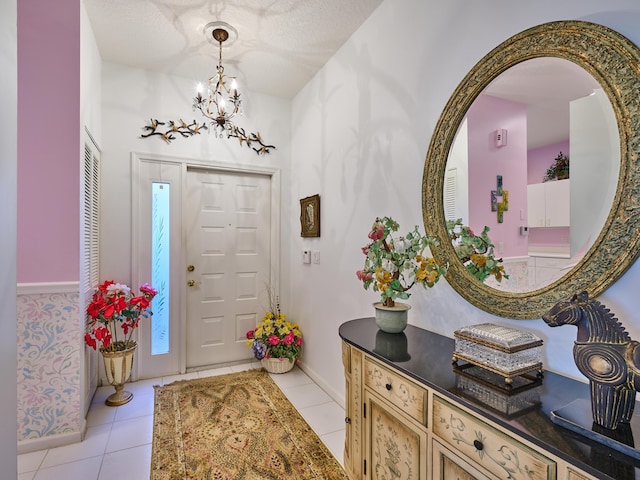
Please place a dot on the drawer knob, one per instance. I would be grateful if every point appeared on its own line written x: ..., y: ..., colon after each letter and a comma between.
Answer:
x: 347, y: 420
x: 388, y: 386
x: 478, y: 444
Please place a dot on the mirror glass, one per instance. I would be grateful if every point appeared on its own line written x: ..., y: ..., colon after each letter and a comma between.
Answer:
x: 488, y: 133
x: 514, y: 130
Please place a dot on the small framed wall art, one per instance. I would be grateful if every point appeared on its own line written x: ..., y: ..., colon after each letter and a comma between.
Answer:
x: 310, y: 216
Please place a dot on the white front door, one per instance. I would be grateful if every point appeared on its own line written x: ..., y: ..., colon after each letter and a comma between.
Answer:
x: 228, y: 252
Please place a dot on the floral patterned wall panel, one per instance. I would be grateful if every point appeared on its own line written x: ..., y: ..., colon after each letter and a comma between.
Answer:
x: 49, y: 356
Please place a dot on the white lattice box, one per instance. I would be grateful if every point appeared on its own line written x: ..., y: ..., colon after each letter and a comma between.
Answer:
x: 506, y: 351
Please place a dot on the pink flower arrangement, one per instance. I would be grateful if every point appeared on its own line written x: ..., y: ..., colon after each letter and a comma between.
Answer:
x: 393, y: 265
x: 114, y: 308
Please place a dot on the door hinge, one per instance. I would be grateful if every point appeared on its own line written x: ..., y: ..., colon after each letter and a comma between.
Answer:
x: 365, y: 467
x: 364, y: 410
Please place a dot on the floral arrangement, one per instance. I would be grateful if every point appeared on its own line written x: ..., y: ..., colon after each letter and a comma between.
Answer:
x: 475, y: 251
x: 275, y: 337
x: 558, y: 169
x: 114, y: 313
x: 393, y: 265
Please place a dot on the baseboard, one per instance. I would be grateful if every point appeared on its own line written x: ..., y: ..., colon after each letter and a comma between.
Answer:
x: 333, y: 393
x: 52, y: 441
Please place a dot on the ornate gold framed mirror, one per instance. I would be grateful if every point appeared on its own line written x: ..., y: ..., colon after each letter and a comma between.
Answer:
x: 614, y: 62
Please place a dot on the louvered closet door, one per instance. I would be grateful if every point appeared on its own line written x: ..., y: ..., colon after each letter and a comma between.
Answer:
x: 90, y: 253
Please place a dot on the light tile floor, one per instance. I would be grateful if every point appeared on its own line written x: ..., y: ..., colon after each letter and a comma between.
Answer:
x: 118, y: 439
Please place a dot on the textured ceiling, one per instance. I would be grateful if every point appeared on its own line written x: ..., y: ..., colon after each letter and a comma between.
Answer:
x: 281, y: 44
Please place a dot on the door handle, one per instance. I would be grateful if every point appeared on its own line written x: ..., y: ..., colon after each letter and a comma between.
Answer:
x: 191, y: 283
x: 190, y: 268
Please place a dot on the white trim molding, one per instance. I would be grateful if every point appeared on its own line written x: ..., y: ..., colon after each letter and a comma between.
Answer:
x: 48, y: 287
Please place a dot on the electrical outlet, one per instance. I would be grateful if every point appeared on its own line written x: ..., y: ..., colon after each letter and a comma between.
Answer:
x: 315, y: 256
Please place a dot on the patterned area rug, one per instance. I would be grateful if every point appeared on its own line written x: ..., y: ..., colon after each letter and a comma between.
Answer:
x: 236, y: 426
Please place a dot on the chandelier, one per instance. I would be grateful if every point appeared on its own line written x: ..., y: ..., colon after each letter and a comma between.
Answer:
x: 220, y: 103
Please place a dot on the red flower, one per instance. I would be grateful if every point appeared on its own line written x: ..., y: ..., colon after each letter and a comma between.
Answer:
x: 364, y: 276
x: 89, y: 340
x: 288, y: 338
x: 274, y: 340
x: 148, y: 290
x: 299, y: 341
x: 377, y: 231
x: 114, y: 308
x: 108, y: 311
x: 251, y: 334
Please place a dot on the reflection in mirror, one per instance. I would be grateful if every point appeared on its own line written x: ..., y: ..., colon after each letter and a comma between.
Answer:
x: 495, y: 173
x: 614, y: 62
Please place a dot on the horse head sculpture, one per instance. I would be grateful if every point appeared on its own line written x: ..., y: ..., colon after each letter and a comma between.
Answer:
x: 605, y: 354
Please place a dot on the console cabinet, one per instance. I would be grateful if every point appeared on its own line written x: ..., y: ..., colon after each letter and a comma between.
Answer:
x: 400, y: 426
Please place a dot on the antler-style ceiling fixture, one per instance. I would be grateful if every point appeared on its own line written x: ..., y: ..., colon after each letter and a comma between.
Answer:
x: 220, y: 103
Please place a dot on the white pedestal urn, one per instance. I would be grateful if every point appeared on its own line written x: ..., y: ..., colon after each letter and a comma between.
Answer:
x: 117, y: 366
x: 391, y: 319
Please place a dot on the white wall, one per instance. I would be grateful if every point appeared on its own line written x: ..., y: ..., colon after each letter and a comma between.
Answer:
x: 90, y: 80
x: 361, y: 129
x: 130, y: 97
x: 8, y: 219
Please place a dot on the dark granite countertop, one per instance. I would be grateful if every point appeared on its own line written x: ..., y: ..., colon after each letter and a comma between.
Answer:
x: 427, y: 357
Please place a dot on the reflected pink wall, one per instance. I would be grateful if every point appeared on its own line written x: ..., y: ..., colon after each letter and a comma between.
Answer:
x: 486, y: 161
x: 539, y: 159
x: 48, y: 141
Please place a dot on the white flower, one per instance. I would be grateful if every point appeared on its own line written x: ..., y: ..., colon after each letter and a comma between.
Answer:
x: 388, y: 265
x: 400, y: 245
x: 119, y: 288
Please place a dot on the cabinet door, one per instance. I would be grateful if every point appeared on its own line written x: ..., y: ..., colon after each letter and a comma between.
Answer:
x: 558, y: 202
x: 396, y: 447
x: 536, y: 205
x: 447, y: 465
x: 549, y: 204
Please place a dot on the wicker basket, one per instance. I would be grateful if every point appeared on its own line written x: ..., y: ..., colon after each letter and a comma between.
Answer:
x: 277, y: 365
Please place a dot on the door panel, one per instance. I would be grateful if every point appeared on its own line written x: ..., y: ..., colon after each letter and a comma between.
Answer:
x: 228, y: 243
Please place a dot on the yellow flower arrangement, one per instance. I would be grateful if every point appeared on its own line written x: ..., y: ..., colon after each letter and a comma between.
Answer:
x: 275, y: 337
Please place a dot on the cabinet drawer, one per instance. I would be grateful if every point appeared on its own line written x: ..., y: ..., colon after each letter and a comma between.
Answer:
x: 396, y: 389
x: 447, y: 465
x: 573, y: 475
x: 484, y: 445
x: 552, y: 262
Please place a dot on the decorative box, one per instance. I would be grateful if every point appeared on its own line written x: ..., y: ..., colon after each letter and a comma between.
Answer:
x: 505, y: 351
x: 489, y: 389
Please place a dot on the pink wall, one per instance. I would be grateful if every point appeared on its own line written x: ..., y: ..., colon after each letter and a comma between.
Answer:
x: 539, y: 159
x: 486, y: 161
x: 48, y: 141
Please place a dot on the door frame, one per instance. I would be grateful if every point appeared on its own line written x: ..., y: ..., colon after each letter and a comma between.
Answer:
x: 141, y: 269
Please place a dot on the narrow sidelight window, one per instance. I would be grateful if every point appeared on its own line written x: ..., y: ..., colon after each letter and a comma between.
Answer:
x: 160, y: 267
